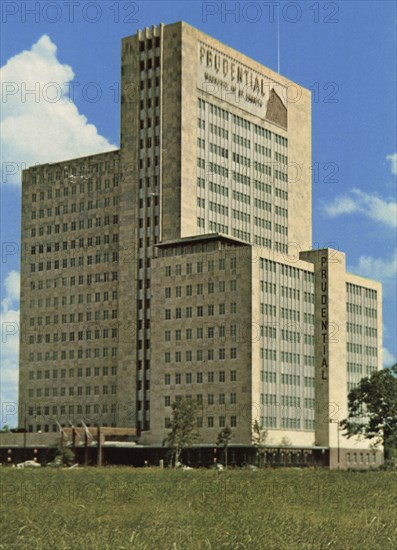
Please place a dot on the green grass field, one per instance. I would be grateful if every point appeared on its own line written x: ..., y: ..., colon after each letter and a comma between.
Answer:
x: 123, y: 508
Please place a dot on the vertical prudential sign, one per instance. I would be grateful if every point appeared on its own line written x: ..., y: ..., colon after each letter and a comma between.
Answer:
x: 324, y: 340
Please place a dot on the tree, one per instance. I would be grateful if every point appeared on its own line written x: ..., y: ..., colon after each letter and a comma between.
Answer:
x: 372, y: 408
x: 223, y: 440
x: 183, y: 427
x: 64, y: 456
x: 259, y: 438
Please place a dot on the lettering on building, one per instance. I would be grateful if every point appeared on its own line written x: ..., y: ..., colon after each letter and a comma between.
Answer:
x: 324, y: 318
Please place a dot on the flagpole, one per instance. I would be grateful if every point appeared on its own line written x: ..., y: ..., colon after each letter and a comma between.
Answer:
x: 278, y: 39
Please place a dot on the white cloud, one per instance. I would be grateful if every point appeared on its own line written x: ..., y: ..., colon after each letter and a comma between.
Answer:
x: 381, y: 269
x: 11, y: 284
x: 388, y: 358
x: 374, y: 207
x: 44, y: 126
x: 341, y: 205
x: 9, y: 320
x: 393, y: 161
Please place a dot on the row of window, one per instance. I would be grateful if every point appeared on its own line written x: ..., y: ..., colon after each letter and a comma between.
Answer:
x: 287, y: 270
x: 215, y: 207
x: 271, y: 377
x: 86, y: 223
x: 177, y: 269
x: 50, y: 247
x: 211, y: 421
x: 55, y: 428
x: 281, y: 194
x: 219, y: 131
x: 73, y: 336
x: 72, y: 391
x: 265, y: 224
x: 71, y: 300
x: 242, y: 123
x: 53, y: 321
x: 199, y: 378
x: 61, y: 410
x: 64, y: 209
x: 220, y: 287
x: 358, y: 310
x: 352, y: 458
x: 286, y: 313
x: 73, y: 317
x: 214, y: 226
x: 79, y: 262
x: 88, y: 372
x: 208, y: 333
x: 217, y: 188
x: 95, y: 353
x: 354, y: 367
x: 211, y: 399
x: 358, y: 348
x: 83, y: 187
x: 262, y: 186
x: 284, y: 400
x: 355, y: 328
x: 188, y: 312
x: 200, y: 355
x: 356, y: 290
x: 282, y: 229
x: 289, y: 423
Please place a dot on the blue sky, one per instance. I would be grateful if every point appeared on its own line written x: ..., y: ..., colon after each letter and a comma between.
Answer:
x: 344, y: 51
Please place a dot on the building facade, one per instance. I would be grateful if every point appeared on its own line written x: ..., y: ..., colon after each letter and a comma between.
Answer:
x: 181, y: 264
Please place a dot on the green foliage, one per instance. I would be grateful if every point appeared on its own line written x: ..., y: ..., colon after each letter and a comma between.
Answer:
x: 373, y: 408
x: 259, y: 438
x: 223, y: 440
x: 64, y: 456
x: 183, y: 427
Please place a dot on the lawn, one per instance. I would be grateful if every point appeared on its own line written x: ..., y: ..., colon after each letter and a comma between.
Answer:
x: 123, y: 508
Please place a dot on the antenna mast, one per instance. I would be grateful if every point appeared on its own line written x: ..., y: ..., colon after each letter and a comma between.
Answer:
x: 278, y: 38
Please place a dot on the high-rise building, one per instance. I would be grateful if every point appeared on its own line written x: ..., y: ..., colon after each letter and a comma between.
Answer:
x: 181, y: 264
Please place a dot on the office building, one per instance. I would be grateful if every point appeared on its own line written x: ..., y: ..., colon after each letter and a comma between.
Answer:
x: 180, y: 265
